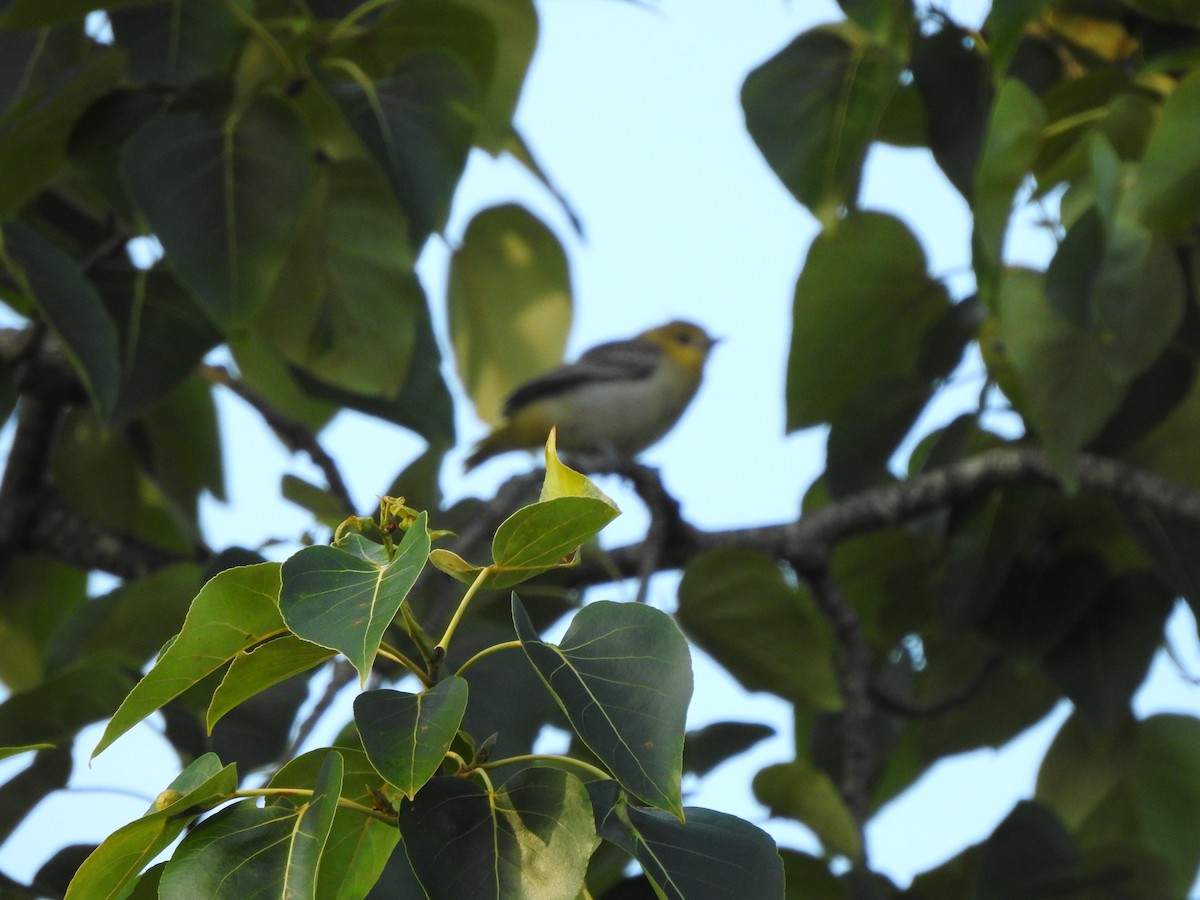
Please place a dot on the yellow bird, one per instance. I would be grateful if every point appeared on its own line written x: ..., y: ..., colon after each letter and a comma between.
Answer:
x: 616, y: 399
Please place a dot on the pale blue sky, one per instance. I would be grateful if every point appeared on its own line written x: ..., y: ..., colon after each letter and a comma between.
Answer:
x: 634, y: 112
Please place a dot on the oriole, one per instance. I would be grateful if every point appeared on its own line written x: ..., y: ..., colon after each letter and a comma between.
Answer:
x: 616, y: 399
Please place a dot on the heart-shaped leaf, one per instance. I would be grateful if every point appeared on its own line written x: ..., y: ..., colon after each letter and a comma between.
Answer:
x: 344, y: 599
x: 529, y: 840
x: 623, y: 676
x: 406, y: 736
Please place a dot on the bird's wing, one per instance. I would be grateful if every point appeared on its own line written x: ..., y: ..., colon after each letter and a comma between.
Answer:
x: 614, y: 361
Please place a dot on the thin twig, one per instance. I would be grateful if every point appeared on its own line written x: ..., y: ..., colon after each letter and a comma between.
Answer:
x: 929, y: 709
x: 294, y: 433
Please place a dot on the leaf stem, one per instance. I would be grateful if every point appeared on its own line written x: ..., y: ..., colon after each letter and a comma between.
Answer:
x: 387, y: 651
x: 444, y: 643
x: 547, y: 757
x: 1066, y: 124
x: 343, y: 802
x: 353, y: 16
x: 254, y: 26
x: 486, y: 651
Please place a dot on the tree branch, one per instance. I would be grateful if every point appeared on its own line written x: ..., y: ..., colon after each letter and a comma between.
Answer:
x: 805, y: 542
x: 854, y: 665
x: 294, y: 433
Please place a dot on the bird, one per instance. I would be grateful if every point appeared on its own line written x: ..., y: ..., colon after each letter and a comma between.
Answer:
x: 613, y: 402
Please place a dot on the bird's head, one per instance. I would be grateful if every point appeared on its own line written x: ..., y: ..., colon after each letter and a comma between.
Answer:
x: 686, y: 344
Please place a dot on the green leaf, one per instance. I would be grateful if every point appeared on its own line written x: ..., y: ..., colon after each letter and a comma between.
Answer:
x: 1068, y: 391
x: 813, y: 110
x: 71, y: 307
x: 738, y: 606
x: 1105, y: 657
x: 179, y: 42
x: 809, y: 878
x: 418, y: 122
x: 33, y: 138
x: 224, y: 197
x: 886, y: 20
x: 55, y: 710
x: 800, y: 792
x: 1014, y: 137
x: 1026, y: 856
x: 406, y: 736
x: 516, y: 23
x: 710, y: 746
x: 31, y: 13
x: 1168, y: 186
x: 529, y: 840
x: 346, y: 304
x: 509, y: 299
x: 954, y: 79
x: 253, y: 671
x: 880, y: 318
x: 134, y: 619
x: 712, y: 855
x: 164, y: 333
x: 237, y: 609
x: 6, y: 752
x: 115, y: 862
x: 1167, y: 793
x: 1081, y: 769
x: 623, y: 676
x: 358, y: 846
x: 542, y: 536
x: 344, y: 599
x: 249, y: 851
x: 866, y: 431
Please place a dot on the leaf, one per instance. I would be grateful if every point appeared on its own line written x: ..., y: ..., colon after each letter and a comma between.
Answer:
x: 124, y: 852
x: 253, y: 671
x: 1107, y: 654
x: 714, y: 744
x: 344, y: 599
x: 55, y: 710
x: 813, y: 110
x: 800, y: 792
x: 235, y: 610
x: 713, y: 855
x: 542, y: 536
x: 1081, y: 769
x: 6, y: 752
x: 228, y: 225
x: 71, y: 307
x: 954, y: 80
x: 1168, y: 186
x: 165, y: 334
x: 358, y: 846
x: 406, y: 736
x: 417, y: 121
x: 1027, y: 854
x: 31, y: 13
x: 529, y: 840
x: 346, y: 304
x: 1013, y: 139
x: 1067, y: 390
x: 509, y: 300
x: 33, y: 137
x: 245, y: 850
x: 768, y: 633
x: 880, y: 317
x: 1167, y: 793
x: 516, y: 25
x: 622, y: 674
x: 179, y: 42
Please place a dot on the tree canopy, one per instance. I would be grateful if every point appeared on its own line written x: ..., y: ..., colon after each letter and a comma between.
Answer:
x: 292, y: 159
